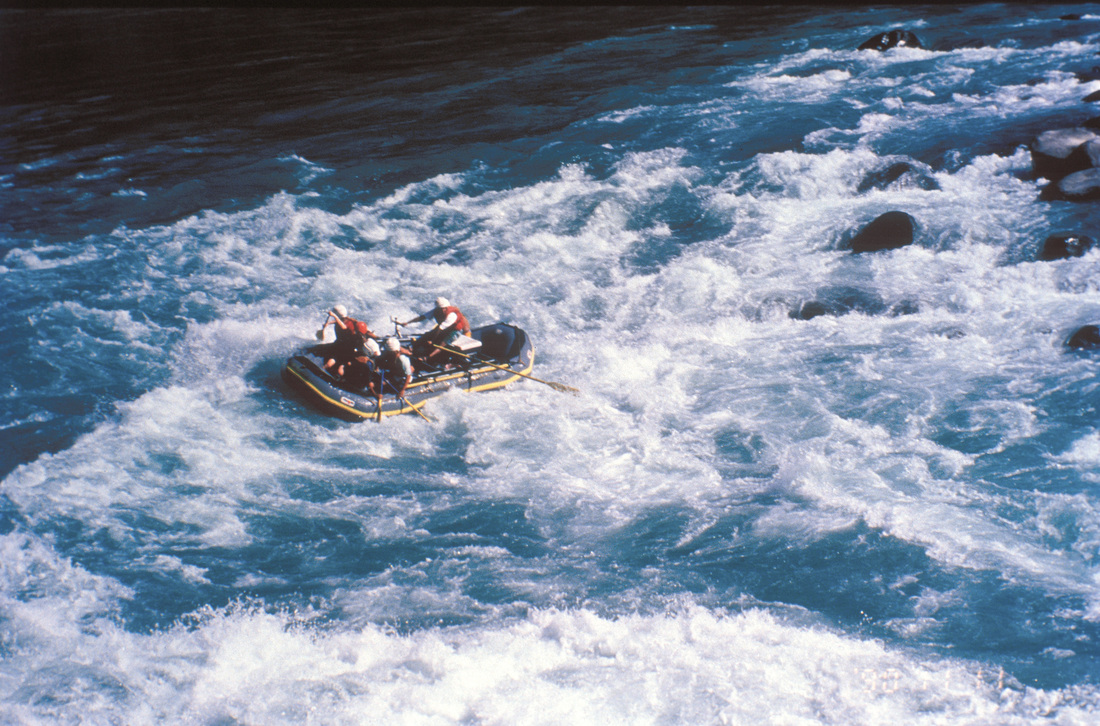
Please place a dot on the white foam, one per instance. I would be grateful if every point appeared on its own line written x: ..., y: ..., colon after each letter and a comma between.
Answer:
x: 666, y: 360
x: 618, y: 117
x: 861, y: 417
x: 553, y: 666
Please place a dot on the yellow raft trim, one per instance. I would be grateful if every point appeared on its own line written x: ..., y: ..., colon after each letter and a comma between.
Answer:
x: 405, y: 409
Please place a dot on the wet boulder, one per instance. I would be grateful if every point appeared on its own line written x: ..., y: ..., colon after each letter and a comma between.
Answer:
x: 1088, y: 76
x: 1086, y: 337
x: 896, y: 38
x: 1061, y: 152
x: 838, y: 301
x: 1092, y: 151
x: 1080, y: 186
x: 842, y: 301
x: 1060, y: 247
x: 886, y: 232
x: 903, y: 174
x: 812, y: 309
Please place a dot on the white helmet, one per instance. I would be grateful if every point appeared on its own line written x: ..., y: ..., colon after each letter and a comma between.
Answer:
x: 442, y: 302
x: 372, y: 347
x: 340, y: 310
x: 393, y: 343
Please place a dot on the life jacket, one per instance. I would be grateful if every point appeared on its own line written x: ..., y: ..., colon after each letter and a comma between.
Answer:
x: 358, y: 371
x: 461, y: 324
x: 390, y: 363
x: 356, y: 331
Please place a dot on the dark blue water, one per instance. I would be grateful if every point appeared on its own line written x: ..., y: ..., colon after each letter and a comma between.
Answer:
x: 798, y: 485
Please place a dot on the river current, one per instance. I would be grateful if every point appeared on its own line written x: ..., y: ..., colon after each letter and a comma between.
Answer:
x: 799, y: 485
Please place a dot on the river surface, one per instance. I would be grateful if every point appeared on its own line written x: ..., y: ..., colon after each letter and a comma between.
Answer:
x: 799, y: 485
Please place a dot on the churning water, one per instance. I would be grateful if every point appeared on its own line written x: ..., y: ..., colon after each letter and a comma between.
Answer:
x: 886, y: 513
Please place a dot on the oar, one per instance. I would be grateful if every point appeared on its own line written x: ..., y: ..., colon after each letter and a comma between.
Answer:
x: 556, y: 386
x: 402, y: 398
x: 321, y: 332
x: 414, y: 408
x: 381, y: 385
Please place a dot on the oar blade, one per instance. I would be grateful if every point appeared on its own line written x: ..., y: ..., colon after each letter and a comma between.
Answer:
x: 563, y: 388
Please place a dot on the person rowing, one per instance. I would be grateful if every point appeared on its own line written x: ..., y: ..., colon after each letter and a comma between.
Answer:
x: 351, y: 336
x: 393, y: 371
x: 449, y: 324
x: 360, y: 370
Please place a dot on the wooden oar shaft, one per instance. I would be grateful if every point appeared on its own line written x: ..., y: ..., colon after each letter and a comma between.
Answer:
x: 414, y: 408
x: 552, y: 384
x: 399, y: 396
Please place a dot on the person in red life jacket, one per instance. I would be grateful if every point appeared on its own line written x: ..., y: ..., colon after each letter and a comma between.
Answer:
x: 449, y: 323
x: 351, y: 336
x: 360, y: 370
x: 393, y: 371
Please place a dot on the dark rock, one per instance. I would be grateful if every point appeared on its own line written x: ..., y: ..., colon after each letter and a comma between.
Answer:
x: 1080, y: 186
x: 897, y: 38
x: 905, y: 307
x: 1071, y: 16
x: 1060, y: 247
x: 899, y: 174
x: 842, y: 300
x: 1060, y: 152
x: 811, y: 310
x: 1092, y: 151
x: 1085, y: 338
x: 1093, y: 123
x: 1088, y: 76
x: 838, y: 301
x: 887, y: 232
x: 1092, y: 97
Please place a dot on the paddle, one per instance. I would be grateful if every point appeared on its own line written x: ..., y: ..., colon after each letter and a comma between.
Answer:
x: 321, y: 332
x: 335, y: 317
x: 399, y: 396
x: 381, y: 385
x: 414, y: 408
x: 556, y: 386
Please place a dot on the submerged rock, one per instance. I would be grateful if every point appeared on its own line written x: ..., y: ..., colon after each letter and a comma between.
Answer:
x: 838, y: 301
x: 1060, y: 152
x: 896, y: 38
x: 865, y: 303
x: 886, y: 232
x: 899, y: 174
x: 1080, y: 186
x: 1086, y: 337
x: 1060, y: 247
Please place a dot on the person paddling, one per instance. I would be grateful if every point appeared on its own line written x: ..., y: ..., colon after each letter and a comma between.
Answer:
x: 449, y: 324
x: 351, y: 336
x: 394, y: 371
x: 358, y: 372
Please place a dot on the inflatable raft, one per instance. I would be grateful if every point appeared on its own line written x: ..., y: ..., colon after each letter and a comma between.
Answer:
x: 503, y: 354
